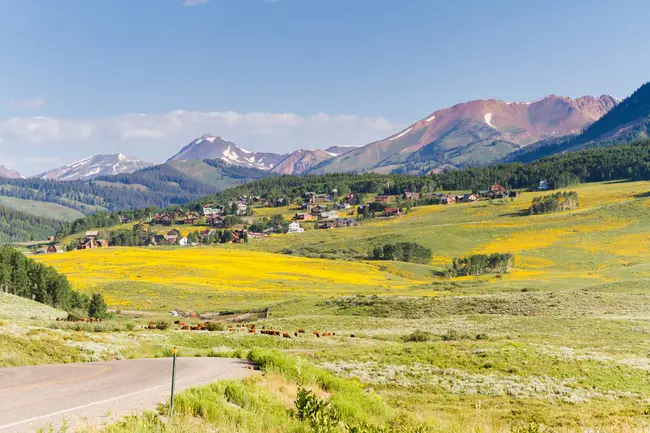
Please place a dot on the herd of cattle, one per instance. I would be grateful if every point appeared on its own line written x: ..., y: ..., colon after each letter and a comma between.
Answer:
x: 250, y: 328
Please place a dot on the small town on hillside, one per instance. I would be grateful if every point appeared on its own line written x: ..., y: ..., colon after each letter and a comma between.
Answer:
x: 236, y: 221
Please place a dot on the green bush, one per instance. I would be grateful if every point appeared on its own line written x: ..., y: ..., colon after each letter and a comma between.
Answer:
x: 162, y: 325
x: 321, y: 416
x: 417, y: 337
x: 214, y: 326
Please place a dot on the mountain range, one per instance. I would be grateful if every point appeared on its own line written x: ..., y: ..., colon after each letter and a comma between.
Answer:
x: 96, y: 166
x: 474, y: 133
x: 467, y: 134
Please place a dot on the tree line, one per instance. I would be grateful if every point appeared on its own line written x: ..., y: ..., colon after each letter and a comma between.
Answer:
x: 24, y: 277
x: 479, y: 264
x: 403, y: 252
x: 16, y: 226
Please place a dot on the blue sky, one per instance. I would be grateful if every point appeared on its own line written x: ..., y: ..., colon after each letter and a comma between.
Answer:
x: 284, y: 74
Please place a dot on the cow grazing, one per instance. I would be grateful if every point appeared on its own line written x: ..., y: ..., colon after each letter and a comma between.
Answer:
x: 286, y: 335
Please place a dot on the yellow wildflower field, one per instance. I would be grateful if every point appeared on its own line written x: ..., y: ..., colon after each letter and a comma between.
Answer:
x: 212, y: 276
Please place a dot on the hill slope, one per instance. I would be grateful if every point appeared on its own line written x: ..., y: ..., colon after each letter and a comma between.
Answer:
x: 475, y: 132
x: 95, y: 166
x: 212, y: 147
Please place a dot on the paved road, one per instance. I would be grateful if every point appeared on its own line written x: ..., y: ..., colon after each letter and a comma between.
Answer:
x: 88, y: 394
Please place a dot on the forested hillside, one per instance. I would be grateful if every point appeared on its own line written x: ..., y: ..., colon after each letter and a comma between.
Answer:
x: 18, y: 226
x: 629, y: 161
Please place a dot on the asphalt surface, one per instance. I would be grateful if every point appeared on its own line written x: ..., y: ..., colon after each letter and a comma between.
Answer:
x: 93, y: 393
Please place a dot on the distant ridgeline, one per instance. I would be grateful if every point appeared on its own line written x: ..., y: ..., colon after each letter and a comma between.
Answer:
x: 627, y: 161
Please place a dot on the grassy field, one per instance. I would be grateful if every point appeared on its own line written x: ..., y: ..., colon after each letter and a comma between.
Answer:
x: 561, y: 341
x: 41, y: 209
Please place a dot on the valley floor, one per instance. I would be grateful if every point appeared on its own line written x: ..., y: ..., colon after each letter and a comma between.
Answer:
x: 561, y: 341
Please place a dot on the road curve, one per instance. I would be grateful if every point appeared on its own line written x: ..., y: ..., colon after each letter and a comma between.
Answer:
x: 91, y: 393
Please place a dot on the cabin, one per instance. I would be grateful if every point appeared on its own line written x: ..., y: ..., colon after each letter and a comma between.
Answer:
x: 382, y: 199
x: 496, y: 189
x: 294, y: 227
x: 391, y: 211
x: 467, y: 198
x: 90, y: 241
x: 318, y: 209
x: 411, y: 195
x: 210, y: 210
x: 447, y: 199
x: 345, y: 222
x: 303, y: 217
x: 241, y: 208
x: 170, y: 239
x: 191, y: 219
x: 330, y: 224
x: 328, y: 215
x: 215, y: 221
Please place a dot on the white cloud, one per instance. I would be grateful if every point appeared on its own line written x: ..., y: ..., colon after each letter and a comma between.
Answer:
x: 32, y: 143
x: 195, y: 2
x: 27, y: 104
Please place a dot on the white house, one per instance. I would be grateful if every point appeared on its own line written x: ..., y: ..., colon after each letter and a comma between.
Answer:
x: 208, y: 211
x: 183, y: 242
x: 294, y: 227
x: 328, y: 215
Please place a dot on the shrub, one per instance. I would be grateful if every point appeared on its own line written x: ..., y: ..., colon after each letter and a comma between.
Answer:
x: 481, y: 337
x: 214, y: 326
x: 453, y: 335
x: 321, y: 416
x: 162, y: 325
x: 417, y: 337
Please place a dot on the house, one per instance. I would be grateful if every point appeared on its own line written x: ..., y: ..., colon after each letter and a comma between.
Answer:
x: 318, y: 209
x: 141, y: 228
x: 391, y: 211
x: 328, y: 215
x: 345, y: 222
x: 90, y: 241
x: 183, y: 242
x: 350, y: 198
x: 238, y: 236
x: 382, y: 199
x: 170, y: 239
x: 256, y: 235
x: 191, y: 219
x: 484, y: 193
x: 543, y: 186
x: 330, y: 224
x: 51, y: 249
x: 496, y: 189
x: 241, y: 208
x: 294, y: 227
x: 411, y: 195
x: 303, y: 217
x: 50, y: 238
x: 210, y: 210
x: 215, y: 221
x: 447, y: 199
x: 468, y: 198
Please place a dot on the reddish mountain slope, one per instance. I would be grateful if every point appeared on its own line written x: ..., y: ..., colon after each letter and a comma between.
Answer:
x: 475, y: 132
x: 301, y: 161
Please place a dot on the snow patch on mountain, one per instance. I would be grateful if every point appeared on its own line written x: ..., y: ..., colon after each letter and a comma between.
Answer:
x: 402, y: 134
x: 488, y: 119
